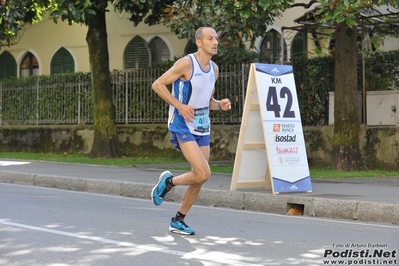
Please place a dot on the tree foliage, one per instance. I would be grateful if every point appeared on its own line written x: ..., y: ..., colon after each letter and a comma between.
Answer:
x: 17, y: 13
x: 14, y: 15
x: 237, y: 22
x: 350, y: 11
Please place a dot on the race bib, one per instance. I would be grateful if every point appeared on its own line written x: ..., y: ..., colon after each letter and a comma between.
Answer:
x: 201, y: 120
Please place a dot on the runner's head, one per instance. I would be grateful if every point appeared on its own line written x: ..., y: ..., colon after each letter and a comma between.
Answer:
x: 206, y: 39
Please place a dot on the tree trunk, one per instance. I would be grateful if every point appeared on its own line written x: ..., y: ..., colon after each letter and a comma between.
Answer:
x: 106, y: 143
x: 346, y: 151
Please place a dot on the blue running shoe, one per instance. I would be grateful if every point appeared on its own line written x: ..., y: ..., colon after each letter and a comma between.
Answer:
x: 159, y: 191
x: 180, y: 227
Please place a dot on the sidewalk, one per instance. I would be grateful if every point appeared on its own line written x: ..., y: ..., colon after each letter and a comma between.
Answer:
x: 364, y: 199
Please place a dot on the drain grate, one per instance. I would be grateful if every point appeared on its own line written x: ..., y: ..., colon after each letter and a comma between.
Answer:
x: 295, y: 209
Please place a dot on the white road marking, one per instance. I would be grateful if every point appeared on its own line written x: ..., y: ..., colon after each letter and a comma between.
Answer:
x: 8, y: 163
x: 147, y: 248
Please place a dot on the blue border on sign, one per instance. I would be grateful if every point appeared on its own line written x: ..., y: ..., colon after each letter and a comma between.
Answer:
x: 274, y: 70
x: 303, y: 185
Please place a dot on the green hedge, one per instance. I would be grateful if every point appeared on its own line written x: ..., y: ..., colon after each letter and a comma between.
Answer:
x: 314, y: 80
x: 50, y: 99
x: 382, y: 71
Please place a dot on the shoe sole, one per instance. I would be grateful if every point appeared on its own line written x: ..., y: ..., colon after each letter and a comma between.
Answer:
x: 177, y: 231
x: 153, y: 189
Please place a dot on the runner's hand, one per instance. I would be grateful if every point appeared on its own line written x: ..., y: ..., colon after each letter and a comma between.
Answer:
x: 225, y: 104
x: 187, y: 111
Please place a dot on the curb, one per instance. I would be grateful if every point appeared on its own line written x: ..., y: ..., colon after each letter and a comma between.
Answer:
x: 241, y: 200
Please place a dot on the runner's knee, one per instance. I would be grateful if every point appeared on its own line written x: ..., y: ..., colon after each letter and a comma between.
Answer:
x: 202, y: 175
x: 206, y: 175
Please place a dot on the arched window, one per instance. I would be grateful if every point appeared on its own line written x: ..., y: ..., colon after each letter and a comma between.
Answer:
x: 137, y: 54
x: 299, y: 44
x: 29, y: 66
x: 191, y: 47
x: 62, y: 62
x: 159, y: 51
x: 271, y: 46
x: 8, y: 66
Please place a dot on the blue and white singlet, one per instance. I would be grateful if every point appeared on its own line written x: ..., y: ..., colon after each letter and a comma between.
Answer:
x: 197, y: 92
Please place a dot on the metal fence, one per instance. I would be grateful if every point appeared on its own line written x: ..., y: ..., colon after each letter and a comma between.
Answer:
x: 67, y: 99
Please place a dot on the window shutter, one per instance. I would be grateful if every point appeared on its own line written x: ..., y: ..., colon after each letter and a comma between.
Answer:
x: 56, y: 64
x: 8, y: 66
x: 271, y: 46
x: 159, y: 51
x: 137, y: 54
x: 191, y: 47
x: 62, y: 62
x: 299, y: 44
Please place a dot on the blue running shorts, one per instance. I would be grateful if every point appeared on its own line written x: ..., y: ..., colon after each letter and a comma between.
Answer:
x: 185, y: 137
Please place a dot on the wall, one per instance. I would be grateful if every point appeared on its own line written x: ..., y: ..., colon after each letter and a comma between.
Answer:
x: 380, y: 145
x: 73, y: 37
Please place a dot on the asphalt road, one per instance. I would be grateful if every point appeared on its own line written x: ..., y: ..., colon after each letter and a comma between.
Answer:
x: 51, y: 227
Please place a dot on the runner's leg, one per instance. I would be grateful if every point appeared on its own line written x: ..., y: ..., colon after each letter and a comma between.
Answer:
x: 200, y: 172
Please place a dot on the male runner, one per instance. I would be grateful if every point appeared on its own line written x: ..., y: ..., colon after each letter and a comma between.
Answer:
x: 193, y: 78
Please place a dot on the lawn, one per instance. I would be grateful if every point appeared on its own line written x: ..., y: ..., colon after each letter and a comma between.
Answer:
x: 226, y: 167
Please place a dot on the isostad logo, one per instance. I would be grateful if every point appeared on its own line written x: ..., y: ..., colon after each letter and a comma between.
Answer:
x: 284, y: 138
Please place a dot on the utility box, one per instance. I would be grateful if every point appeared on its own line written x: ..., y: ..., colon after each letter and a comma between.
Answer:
x: 382, y: 108
x: 331, y: 107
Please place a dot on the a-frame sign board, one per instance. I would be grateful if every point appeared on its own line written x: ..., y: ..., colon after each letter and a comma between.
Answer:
x: 271, y: 147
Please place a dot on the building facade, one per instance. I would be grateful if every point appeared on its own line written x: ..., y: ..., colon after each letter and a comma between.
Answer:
x: 48, y: 48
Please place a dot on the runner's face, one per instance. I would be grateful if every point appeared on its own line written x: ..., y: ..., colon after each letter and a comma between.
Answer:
x: 210, y: 41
